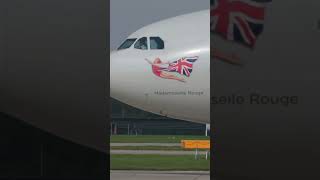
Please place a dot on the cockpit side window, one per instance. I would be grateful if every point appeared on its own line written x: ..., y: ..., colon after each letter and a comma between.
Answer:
x: 156, y: 43
x: 142, y: 43
x: 127, y: 43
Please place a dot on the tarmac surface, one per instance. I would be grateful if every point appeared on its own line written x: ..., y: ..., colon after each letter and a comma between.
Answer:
x: 159, y: 175
x: 157, y: 152
x: 146, y: 144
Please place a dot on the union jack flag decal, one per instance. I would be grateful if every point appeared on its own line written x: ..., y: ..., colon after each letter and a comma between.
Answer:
x: 238, y: 20
x: 183, y: 66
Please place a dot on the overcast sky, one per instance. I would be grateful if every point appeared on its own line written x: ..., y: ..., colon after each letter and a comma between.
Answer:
x: 127, y: 16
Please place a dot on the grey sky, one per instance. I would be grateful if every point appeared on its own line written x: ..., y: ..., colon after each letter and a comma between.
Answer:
x: 127, y: 16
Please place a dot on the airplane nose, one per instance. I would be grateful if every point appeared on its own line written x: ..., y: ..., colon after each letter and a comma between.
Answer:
x: 128, y: 81
x: 115, y: 75
x: 123, y: 77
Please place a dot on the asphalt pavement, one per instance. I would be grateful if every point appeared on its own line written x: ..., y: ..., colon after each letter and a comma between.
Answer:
x: 146, y: 144
x: 157, y: 152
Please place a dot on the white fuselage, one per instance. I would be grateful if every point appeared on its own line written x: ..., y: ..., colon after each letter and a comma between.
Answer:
x: 133, y: 81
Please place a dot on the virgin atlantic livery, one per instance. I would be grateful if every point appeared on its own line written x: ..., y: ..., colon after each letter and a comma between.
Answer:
x: 164, y: 68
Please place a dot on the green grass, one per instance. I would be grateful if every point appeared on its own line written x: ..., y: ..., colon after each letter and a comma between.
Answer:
x: 163, y: 148
x: 153, y: 138
x: 159, y: 162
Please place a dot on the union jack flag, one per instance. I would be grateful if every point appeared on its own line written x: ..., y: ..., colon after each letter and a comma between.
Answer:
x: 238, y: 20
x: 183, y: 66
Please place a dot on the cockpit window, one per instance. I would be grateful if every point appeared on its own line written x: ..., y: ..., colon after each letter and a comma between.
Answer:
x: 156, y: 43
x: 142, y: 43
x: 127, y: 43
